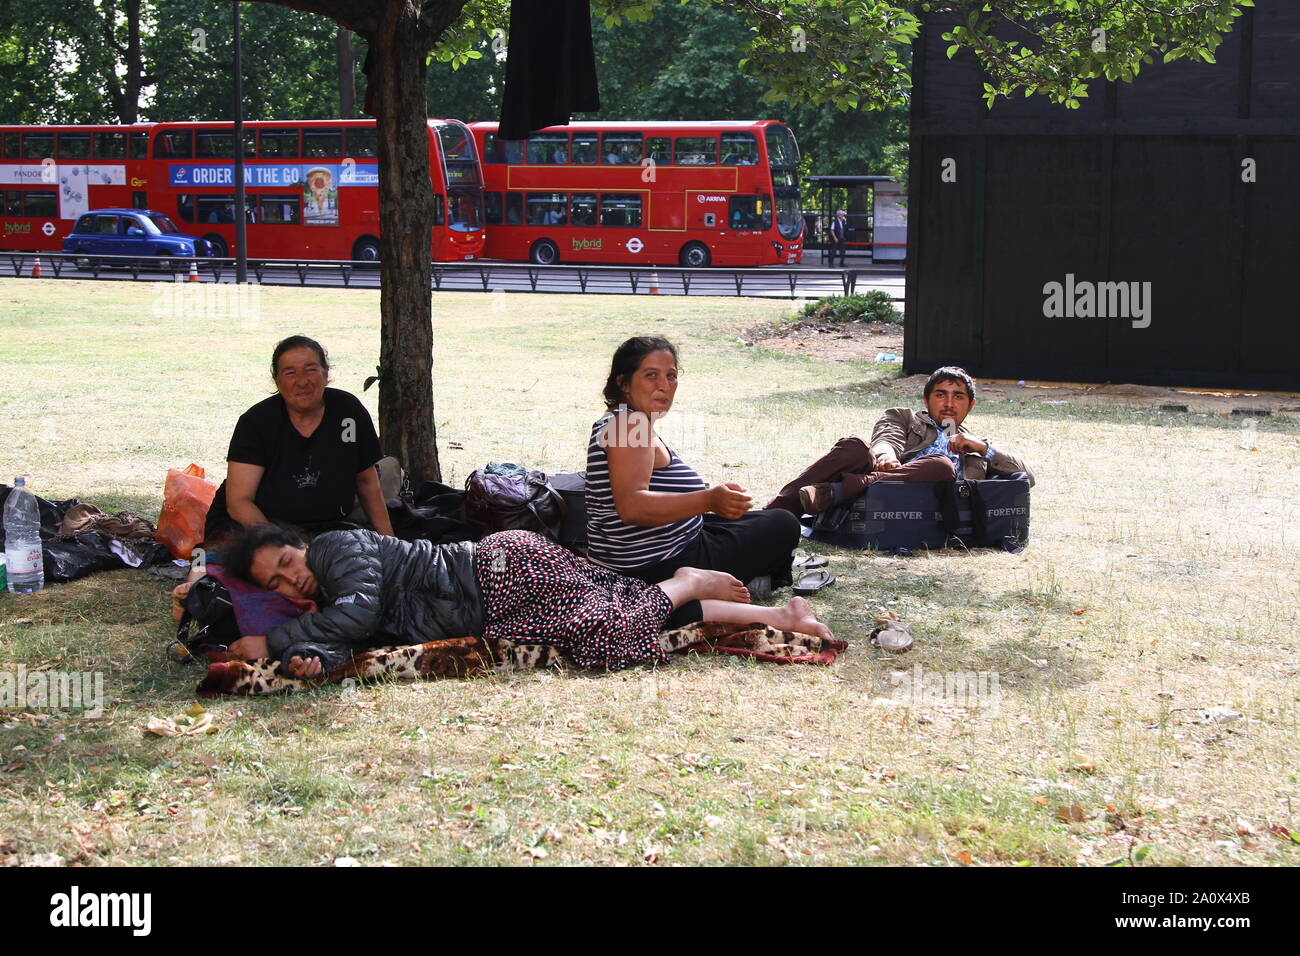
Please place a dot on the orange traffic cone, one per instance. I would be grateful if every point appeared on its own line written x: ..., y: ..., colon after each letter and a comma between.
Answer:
x: 36, y: 269
x: 194, y: 271
x: 654, y: 281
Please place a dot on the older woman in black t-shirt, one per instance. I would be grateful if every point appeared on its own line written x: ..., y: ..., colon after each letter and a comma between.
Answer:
x: 305, y: 455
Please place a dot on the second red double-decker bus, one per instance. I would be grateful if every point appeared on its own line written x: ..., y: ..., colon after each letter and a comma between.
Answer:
x: 51, y: 175
x: 695, y: 194
x: 311, y: 187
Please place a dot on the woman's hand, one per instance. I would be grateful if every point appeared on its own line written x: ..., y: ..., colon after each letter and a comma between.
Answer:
x: 178, y: 597
x: 304, y: 667
x: 250, y: 648
x: 729, y: 500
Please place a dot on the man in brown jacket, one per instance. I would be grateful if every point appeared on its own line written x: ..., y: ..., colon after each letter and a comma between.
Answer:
x: 930, y: 445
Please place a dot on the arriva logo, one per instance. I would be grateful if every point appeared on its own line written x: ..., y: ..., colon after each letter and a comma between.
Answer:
x: 586, y: 244
x: 703, y: 198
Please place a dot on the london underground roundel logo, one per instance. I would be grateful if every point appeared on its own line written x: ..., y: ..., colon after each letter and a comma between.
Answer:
x: 48, y: 228
x: 634, y: 245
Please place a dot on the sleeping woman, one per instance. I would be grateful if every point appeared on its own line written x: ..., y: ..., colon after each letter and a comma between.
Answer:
x: 374, y: 590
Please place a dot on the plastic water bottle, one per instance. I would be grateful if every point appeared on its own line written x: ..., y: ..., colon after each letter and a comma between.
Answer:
x: 26, y: 569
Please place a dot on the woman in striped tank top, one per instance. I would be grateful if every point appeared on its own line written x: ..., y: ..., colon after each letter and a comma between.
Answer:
x: 648, y: 512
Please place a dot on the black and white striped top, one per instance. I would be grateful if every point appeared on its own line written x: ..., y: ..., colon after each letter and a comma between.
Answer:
x: 621, y: 546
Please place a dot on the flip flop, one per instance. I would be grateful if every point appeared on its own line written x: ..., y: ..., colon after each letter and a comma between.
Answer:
x: 813, y: 581
x: 812, y: 561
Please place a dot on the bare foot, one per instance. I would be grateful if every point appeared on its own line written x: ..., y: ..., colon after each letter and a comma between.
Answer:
x: 797, y: 615
x: 713, y: 585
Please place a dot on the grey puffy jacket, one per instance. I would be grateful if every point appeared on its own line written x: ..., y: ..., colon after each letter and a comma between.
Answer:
x: 377, y: 590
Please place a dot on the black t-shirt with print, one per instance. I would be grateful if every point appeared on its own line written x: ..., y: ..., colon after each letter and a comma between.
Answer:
x: 306, y: 480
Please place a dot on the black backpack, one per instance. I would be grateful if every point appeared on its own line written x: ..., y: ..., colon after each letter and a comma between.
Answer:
x: 209, y: 611
x: 499, y: 499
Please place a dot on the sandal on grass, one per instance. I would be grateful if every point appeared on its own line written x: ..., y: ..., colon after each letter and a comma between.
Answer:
x: 813, y: 581
x: 812, y: 561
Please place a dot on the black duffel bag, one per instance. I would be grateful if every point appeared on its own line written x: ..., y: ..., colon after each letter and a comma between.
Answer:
x: 509, y: 498
x: 208, y: 622
x: 902, y: 516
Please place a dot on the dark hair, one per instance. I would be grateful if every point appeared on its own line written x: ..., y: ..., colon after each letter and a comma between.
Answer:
x: 627, y: 359
x: 299, y: 342
x: 238, y: 555
x: 950, y: 373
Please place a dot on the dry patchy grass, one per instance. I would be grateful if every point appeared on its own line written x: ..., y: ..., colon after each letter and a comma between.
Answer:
x: 1160, y: 580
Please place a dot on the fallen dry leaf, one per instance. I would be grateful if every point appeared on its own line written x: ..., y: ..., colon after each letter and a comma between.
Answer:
x: 1071, y: 814
x: 963, y: 856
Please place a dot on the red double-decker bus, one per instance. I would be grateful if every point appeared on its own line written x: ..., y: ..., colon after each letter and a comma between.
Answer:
x: 50, y: 175
x: 311, y: 187
x: 695, y: 194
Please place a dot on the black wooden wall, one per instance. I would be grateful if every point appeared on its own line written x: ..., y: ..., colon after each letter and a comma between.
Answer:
x: 1142, y: 183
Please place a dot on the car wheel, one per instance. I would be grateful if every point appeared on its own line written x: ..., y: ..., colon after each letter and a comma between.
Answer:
x: 164, y: 260
x: 695, y: 255
x: 366, y: 249
x: 544, y: 253
x: 80, y: 262
x: 217, y: 247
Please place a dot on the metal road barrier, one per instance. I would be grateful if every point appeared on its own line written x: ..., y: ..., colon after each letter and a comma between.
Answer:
x: 483, y: 276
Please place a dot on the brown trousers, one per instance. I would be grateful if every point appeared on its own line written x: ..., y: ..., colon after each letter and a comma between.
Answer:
x: 851, y: 463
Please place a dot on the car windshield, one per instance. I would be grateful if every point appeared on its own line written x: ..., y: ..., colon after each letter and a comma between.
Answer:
x: 162, y: 223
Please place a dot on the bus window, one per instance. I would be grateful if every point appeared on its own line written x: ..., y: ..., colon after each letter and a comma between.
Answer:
x: 622, y: 149
x: 697, y: 151
x: 140, y: 144
x: 454, y: 141
x: 250, y: 143
x: 781, y: 148
x: 463, y: 210
x: 322, y: 143
x: 278, y: 142
x: 38, y: 145
x: 618, y: 209
x: 548, y: 149
x: 74, y: 146
x: 13, y: 202
x: 660, y: 149
x: 749, y: 212
x: 173, y: 144
x: 362, y: 141
x: 582, y: 209
x: 437, y: 209
x: 44, y: 205
x: 492, y: 208
x: 585, y: 152
x: 185, y: 206
x: 277, y: 210
x: 547, y: 209
x: 739, y: 149
x: 139, y: 200
x: 514, y: 209
x: 499, y: 151
x: 215, y: 145
x: 110, y: 145
x: 214, y: 208
x: 11, y: 145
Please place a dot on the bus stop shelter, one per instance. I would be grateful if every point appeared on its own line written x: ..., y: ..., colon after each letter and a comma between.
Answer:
x: 856, y: 195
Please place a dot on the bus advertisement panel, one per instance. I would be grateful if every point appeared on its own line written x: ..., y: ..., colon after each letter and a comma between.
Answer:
x: 311, y: 187
x: 51, y: 175
x: 693, y: 194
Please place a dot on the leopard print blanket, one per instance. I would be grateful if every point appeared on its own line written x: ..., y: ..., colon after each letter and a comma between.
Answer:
x: 472, y: 656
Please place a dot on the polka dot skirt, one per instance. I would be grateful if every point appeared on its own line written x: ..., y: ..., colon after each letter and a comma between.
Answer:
x: 533, y: 588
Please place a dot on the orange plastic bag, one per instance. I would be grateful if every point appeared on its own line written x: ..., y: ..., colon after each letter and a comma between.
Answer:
x: 186, y: 500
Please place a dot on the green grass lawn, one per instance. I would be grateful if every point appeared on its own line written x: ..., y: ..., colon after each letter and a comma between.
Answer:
x: 1160, y: 581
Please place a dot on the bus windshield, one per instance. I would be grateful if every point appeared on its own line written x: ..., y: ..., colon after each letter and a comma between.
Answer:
x: 783, y: 157
x: 465, y: 212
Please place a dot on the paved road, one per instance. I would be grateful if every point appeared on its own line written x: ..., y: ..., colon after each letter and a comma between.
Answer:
x: 809, y: 281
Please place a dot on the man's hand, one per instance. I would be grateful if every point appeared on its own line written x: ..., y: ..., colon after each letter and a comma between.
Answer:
x: 886, y: 464
x: 729, y: 500
x: 178, y: 597
x: 250, y: 648
x: 962, y: 444
x: 304, y: 667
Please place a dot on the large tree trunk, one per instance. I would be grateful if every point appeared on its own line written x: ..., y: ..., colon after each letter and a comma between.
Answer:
x: 347, y: 73
x: 397, y: 78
